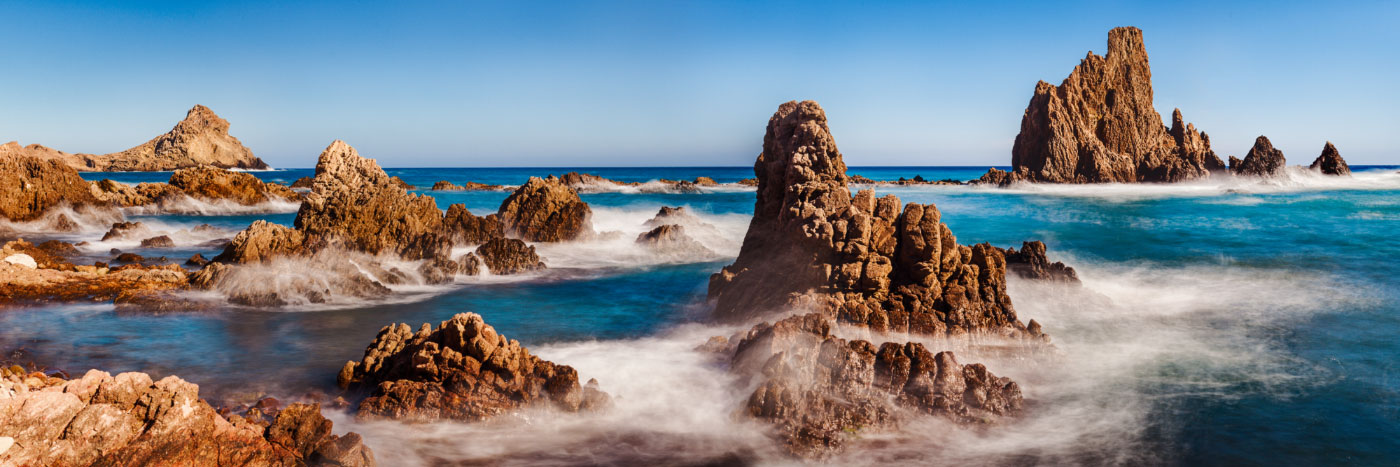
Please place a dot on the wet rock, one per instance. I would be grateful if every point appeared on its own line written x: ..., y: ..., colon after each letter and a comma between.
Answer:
x: 47, y: 255
x: 508, y: 256
x: 128, y: 419
x: 672, y: 238
x: 669, y: 215
x: 461, y: 370
x: 820, y: 391
x: 30, y: 186
x: 261, y: 242
x: 303, y: 182
x: 998, y: 177
x: 356, y: 205
x: 465, y: 228
x: 812, y: 244
x: 1100, y: 125
x: 748, y: 182
x: 545, y: 210
x: 130, y: 258
x: 162, y: 241
x: 196, y: 260
x: 213, y: 183
x: 704, y: 181
x: 1330, y: 162
x: 126, y: 230
x: 1261, y: 161
x: 1031, y: 263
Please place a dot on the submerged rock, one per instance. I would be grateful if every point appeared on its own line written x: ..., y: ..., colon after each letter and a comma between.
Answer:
x: 1031, y: 263
x: 1330, y: 162
x: 129, y: 419
x: 820, y: 391
x: 461, y: 370
x: 545, y: 210
x: 1261, y: 161
x: 812, y: 244
x: 1100, y: 125
x: 30, y: 186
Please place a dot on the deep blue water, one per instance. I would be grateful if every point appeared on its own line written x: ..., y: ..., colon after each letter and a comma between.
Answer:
x: 1248, y: 323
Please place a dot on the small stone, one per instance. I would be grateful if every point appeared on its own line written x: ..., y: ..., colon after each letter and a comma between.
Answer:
x: 21, y: 259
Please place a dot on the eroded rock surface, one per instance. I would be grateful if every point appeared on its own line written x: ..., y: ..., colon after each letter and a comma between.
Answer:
x: 1262, y: 160
x: 508, y: 256
x: 812, y: 244
x: 200, y: 139
x: 214, y: 183
x: 1330, y: 162
x: 55, y: 279
x: 465, y: 228
x: 129, y: 419
x: 1099, y: 125
x: 461, y: 370
x: 1031, y: 263
x: 30, y: 186
x: 672, y: 238
x: 545, y: 210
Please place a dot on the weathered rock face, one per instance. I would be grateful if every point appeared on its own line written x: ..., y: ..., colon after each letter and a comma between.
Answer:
x: 260, y: 242
x: 1031, y: 263
x: 214, y: 183
x: 30, y: 186
x: 545, y: 210
x: 1100, y: 125
x: 126, y: 195
x: 812, y: 244
x: 128, y: 419
x: 200, y: 139
x: 998, y: 177
x: 54, y: 279
x: 508, y: 256
x: 1330, y: 162
x: 819, y: 390
x: 356, y: 205
x: 461, y: 370
x: 303, y: 182
x: 672, y: 238
x: 1261, y: 161
x: 465, y: 228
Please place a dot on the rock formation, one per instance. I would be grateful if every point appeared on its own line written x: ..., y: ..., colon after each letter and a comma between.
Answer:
x: 811, y: 244
x: 508, y: 256
x: 129, y: 419
x: 200, y: 139
x: 465, y: 228
x: 1031, y: 263
x: 29, y: 187
x: 213, y: 183
x: 445, y: 185
x: 1261, y: 161
x: 545, y: 210
x: 1099, y: 125
x: 820, y: 390
x: 461, y: 370
x: 1330, y: 162
x: 303, y: 182
x: 261, y: 242
x: 672, y: 238
x: 54, y: 279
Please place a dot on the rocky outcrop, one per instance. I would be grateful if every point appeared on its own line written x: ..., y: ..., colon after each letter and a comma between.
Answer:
x: 508, y: 256
x: 303, y: 182
x: 465, y: 228
x: 29, y: 187
x: 1330, y: 162
x: 545, y: 210
x: 445, y: 185
x: 213, y: 183
x: 356, y: 205
x: 54, y: 279
x: 261, y: 242
x: 126, y: 195
x: 998, y: 177
x: 673, y: 239
x: 812, y: 244
x: 461, y: 370
x: 200, y: 139
x: 129, y: 419
x: 1031, y: 263
x: 1261, y: 161
x: 1099, y: 125
x: 819, y: 391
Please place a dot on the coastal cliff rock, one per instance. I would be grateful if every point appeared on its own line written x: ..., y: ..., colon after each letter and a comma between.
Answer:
x: 465, y: 228
x: 1330, y: 162
x: 126, y: 195
x: 820, y: 390
x: 1099, y: 125
x: 214, y: 183
x: 200, y: 139
x: 129, y: 419
x: 29, y: 187
x: 545, y: 210
x: 461, y: 370
x: 1031, y: 263
x: 812, y: 244
x: 1261, y: 161
x: 508, y: 256
x: 353, y: 203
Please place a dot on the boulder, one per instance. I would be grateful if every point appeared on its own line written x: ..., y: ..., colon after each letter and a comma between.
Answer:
x: 545, y: 210
x: 1099, y: 125
x: 812, y: 244
x: 504, y: 256
x: 445, y: 185
x: 1031, y: 263
x: 122, y: 194
x: 261, y: 242
x: 465, y: 228
x: 1330, y: 162
x: 31, y: 186
x: 672, y: 238
x: 197, y: 260
x: 129, y: 419
x: 1261, y: 161
x: 162, y: 241
x: 461, y: 370
x: 303, y: 182
x: 213, y: 183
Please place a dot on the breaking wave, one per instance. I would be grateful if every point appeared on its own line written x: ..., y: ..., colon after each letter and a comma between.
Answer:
x: 616, y: 244
x: 184, y: 204
x: 1294, y: 179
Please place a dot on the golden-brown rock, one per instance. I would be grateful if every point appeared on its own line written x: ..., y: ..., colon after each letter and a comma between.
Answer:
x: 30, y: 186
x: 213, y: 183
x: 545, y: 210
x: 200, y: 139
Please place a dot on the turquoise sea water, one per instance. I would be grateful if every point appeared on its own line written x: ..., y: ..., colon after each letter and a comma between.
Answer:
x: 1236, y: 322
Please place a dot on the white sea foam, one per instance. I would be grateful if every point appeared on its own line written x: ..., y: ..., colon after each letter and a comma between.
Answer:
x: 85, y: 222
x: 616, y: 245
x: 183, y: 204
x: 1294, y: 179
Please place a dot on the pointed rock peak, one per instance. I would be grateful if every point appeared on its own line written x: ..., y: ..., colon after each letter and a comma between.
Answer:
x: 1262, y: 144
x: 1125, y: 40
x: 201, y: 118
x: 1330, y: 162
x: 1328, y: 149
x: 1178, y: 129
x: 798, y: 135
x: 342, y: 164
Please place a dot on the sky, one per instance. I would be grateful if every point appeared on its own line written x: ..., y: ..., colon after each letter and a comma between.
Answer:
x: 677, y: 83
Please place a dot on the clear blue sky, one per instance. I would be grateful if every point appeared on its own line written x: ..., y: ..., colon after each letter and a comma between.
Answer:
x: 677, y: 83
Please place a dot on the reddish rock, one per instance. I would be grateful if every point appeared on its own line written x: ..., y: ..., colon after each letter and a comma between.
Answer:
x: 812, y: 244
x: 545, y: 210
x: 461, y: 370
x: 1100, y: 125
x: 1261, y: 161
x: 162, y: 241
x: 508, y: 256
x: 30, y: 186
x: 213, y: 183
x: 261, y: 242
x: 303, y: 182
x: 200, y: 139
x: 1031, y: 263
x: 465, y: 228
x: 1330, y: 162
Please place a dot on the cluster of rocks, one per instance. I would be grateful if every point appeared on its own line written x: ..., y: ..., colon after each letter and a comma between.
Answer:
x: 130, y: 419
x: 917, y: 180
x: 205, y: 183
x: 200, y: 139
x: 584, y: 182
x: 445, y: 185
x: 461, y: 370
x: 1264, y: 160
x: 41, y: 273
